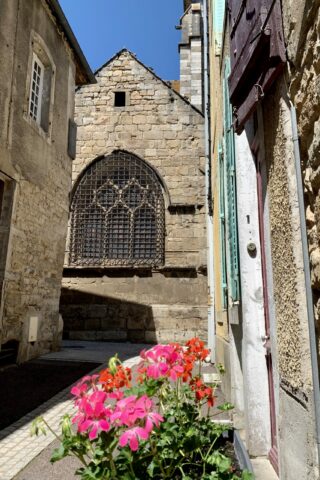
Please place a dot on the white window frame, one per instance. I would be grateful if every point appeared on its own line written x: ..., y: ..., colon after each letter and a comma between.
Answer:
x: 35, y: 98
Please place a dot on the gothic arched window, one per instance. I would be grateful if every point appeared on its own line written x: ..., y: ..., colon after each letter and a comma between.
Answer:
x: 117, y: 214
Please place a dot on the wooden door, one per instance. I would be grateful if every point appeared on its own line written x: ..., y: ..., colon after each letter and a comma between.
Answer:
x: 273, y: 453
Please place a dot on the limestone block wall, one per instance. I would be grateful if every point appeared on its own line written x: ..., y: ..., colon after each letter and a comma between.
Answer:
x: 36, y: 169
x: 159, y: 126
x: 156, y: 307
x: 190, y: 48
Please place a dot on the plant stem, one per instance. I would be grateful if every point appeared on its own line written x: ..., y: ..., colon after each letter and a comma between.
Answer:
x: 131, y: 470
x: 51, y: 430
x: 156, y: 455
x: 81, y: 458
x: 77, y: 455
x: 211, y: 447
x: 112, y: 465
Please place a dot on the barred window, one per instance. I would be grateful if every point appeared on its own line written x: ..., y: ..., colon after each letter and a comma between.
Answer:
x: 117, y: 214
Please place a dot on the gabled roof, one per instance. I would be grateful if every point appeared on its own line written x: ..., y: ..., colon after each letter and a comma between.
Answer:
x: 167, y: 84
x: 84, y: 73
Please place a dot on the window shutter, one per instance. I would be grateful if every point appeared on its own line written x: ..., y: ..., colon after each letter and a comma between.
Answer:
x: 232, y: 244
x: 258, y: 53
x: 72, y: 139
x: 222, y: 228
x: 218, y: 19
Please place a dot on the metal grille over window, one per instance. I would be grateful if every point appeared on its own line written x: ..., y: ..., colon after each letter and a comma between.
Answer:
x: 117, y: 214
x: 36, y: 89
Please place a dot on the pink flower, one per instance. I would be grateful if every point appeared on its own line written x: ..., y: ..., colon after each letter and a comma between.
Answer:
x: 152, y: 418
x: 162, y: 361
x: 82, y: 387
x: 132, y: 436
x: 135, y: 412
x: 156, y: 370
x: 93, y: 416
x: 93, y: 427
x: 127, y: 411
x: 116, y: 395
x: 79, y: 390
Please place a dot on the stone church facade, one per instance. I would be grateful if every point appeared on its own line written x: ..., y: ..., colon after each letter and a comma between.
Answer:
x: 135, y: 265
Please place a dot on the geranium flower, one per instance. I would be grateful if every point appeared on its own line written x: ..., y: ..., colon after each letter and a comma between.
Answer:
x: 152, y: 418
x: 202, y: 391
x: 93, y: 416
x: 113, y: 381
x: 162, y: 361
x: 82, y: 387
x: 130, y: 409
x: 133, y: 436
x: 133, y: 412
x: 195, y: 346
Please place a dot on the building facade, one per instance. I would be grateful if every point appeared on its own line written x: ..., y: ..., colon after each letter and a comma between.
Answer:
x: 265, y: 109
x: 135, y: 265
x: 41, y: 64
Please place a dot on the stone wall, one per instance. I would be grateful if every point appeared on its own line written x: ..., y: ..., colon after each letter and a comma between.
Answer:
x: 191, y: 62
x: 292, y: 347
x: 162, y: 128
x: 290, y: 309
x: 302, y: 27
x: 36, y: 168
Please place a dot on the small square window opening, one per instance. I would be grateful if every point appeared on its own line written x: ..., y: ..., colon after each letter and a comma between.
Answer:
x: 119, y: 99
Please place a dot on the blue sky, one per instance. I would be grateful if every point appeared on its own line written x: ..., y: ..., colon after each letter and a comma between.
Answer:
x: 146, y: 27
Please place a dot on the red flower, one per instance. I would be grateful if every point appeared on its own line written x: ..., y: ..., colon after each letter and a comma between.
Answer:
x: 196, y: 347
x: 202, y: 391
x: 121, y: 378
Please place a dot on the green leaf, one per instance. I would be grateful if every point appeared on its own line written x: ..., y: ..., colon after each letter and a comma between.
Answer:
x: 151, y: 468
x: 38, y: 427
x: 191, y: 432
x: 224, y: 464
x: 221, y: 462
x: 225, y: 406
x: 220, y: 368
x: 211, y: 476
x: 94, y: 472
x: 58, y: 454
x: 113, y: 362
x: 66, y: 425
x: 246, y: 475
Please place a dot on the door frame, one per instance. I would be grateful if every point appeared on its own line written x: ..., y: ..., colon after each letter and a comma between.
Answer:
x: 256, y: 149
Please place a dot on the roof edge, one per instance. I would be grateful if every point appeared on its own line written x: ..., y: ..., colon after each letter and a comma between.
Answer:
x: 82, y: 63
x: 152, y: 73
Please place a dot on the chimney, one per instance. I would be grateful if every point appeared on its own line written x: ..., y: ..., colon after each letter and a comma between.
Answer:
x: 190, y: 49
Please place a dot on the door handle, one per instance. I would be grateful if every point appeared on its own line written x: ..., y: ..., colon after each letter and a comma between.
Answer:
x: 266, y: 343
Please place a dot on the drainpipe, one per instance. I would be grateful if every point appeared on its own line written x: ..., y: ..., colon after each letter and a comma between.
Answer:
x: 209, y: 212
x: 306, y: 262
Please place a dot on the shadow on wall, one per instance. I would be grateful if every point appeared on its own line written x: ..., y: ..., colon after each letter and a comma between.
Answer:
x: 88, y: 316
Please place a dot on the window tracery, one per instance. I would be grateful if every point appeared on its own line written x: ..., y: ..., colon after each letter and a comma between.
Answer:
x: 117, y: 214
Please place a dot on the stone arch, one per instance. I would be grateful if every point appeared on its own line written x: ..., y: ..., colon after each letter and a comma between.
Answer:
x: 166, y: 193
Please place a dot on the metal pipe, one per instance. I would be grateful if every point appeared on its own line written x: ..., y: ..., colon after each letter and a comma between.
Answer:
x: 209, y: 222
x: 306, y: 262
